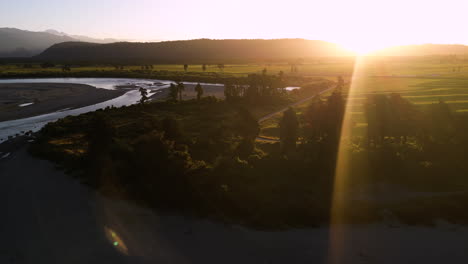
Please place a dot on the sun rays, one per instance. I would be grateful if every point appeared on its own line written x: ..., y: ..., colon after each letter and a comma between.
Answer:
x: 340, y: 197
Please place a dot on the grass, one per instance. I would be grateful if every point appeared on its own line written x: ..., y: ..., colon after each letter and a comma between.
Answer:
x: 422, y: 81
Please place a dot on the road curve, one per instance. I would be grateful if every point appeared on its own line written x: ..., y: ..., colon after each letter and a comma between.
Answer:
x: 294, y: 104
x: 266, y: 117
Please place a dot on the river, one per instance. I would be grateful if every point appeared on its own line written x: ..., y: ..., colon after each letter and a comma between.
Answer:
x: 35, y: 123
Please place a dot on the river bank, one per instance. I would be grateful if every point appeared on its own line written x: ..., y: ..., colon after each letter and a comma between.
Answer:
x: 21, y: 100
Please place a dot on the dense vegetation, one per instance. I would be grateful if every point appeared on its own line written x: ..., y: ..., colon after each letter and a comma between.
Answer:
x: 201, y: 157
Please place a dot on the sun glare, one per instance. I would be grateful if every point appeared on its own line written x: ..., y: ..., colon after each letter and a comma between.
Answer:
x: 363, y: 45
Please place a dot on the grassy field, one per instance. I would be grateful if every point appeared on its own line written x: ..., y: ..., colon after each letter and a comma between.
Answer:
x: 423, y: 67
x: 326, y: 69
x: 419, y: 91
x: 422, y: 81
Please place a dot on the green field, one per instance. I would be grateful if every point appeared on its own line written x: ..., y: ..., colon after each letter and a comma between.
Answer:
x: 430, y: 67
x: 326, y: 69
x: 419, y: 91
x: 422, y: 81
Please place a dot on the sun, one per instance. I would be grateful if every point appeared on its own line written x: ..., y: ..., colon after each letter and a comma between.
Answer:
x: 365, y: 46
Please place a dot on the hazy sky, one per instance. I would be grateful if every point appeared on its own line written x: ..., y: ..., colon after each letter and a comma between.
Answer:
x: 360, y: 25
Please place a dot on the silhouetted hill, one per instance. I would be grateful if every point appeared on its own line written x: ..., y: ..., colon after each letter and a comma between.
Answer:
x: 83, y: 38
x: 193, y: 51
x: 23, y: 43
x: 423, y: 50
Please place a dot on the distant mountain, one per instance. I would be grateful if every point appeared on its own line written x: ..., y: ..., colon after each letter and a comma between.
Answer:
x: 423, y: 50
x: 22, y: 43
x: 83, y: 38
x: 194, y: 51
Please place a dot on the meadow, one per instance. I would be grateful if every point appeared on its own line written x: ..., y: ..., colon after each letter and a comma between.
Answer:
x: 421, y: 80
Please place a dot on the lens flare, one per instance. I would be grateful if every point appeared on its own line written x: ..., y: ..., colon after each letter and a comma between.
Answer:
x: 115, y: 240
x: 341, y: 191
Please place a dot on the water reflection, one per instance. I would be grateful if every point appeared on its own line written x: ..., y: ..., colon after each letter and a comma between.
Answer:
x: 35, y: 123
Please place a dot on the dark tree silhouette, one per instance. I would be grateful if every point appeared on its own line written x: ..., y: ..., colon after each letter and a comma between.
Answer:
x: 248, y: 128
x: 180, y: 89
x: 281, y: 76
x: 173, y: 91
x: 185, y: 67
x: 199, y: 91
x: 229, y: 91
x: 144, y: 95
x: 204, y: 67
x: 289, y: 130
x: 340, y: 83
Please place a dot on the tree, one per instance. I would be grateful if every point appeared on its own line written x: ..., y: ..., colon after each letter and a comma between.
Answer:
x: 248, y: 128
x: 204, y: 67
x: 335, y: 115
x: 173, y: 91
x: 324, y: 119
x: 441, y: 122
x: 314, y: 120
x: 66, y: 68
x: 180, y: 89
x: 168, y: 185
x: 340, y: 83
x: 289, y: 129
x: 228, y: 91
x: 199, y: 90
x: 252, y: 92
x: 221, y: 67
x: 281, y: 76
x: 144, y: 95
x: 185, y: 67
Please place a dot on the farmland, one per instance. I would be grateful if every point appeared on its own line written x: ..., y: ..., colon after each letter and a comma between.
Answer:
x: 422, y: 81
x: 422, y: 84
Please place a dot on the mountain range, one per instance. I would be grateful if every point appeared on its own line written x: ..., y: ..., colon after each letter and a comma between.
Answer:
x: 23, y: 43
x: 59, y: 46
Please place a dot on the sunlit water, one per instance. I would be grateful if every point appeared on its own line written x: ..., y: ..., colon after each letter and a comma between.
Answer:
x: 35, y: 123
x: 105, y: 83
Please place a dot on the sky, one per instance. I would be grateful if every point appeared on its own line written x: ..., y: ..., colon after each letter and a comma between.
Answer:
x: 359, y: 25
